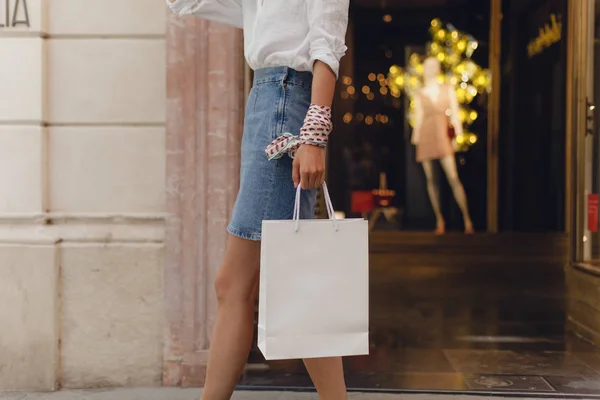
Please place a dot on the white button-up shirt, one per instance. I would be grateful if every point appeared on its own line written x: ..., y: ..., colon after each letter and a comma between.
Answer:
x: 290, y: 33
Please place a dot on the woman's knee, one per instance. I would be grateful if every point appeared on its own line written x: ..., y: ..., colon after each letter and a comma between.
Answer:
x: 234, y: 289
x: 237, y: 279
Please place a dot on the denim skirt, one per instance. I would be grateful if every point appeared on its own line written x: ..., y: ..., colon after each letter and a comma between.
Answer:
x: 277, y: 104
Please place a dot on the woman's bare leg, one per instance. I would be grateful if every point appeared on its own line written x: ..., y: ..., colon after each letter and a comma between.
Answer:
x: 236, y: 286
x: 327, y: 375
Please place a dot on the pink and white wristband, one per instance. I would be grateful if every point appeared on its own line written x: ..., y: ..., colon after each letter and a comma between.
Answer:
x: 315, y: 131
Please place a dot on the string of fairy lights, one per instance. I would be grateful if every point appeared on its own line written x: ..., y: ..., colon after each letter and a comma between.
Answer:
x: 454, y: 49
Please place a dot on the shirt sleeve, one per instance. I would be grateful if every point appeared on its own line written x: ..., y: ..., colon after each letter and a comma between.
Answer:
x: 328, y: 21
x: 227, y: 12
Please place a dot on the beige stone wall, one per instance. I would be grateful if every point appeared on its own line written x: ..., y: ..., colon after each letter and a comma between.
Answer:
x: 82, y: 199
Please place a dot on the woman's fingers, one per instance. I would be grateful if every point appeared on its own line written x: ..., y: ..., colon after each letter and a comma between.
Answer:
x: 309, y: 165
x: 311, y: 180
x: 321, y: 179
x: 305, y: 180
x: 296, y: 173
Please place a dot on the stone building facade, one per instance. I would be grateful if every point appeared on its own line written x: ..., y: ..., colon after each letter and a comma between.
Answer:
x: 119, y: 127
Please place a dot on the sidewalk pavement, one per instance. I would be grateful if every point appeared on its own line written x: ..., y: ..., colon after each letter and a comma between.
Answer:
x: 194, y: 394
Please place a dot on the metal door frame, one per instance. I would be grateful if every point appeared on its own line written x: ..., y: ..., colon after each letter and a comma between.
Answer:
x: 580, y: 49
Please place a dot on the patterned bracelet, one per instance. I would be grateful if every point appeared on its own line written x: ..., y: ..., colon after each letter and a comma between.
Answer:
x: 315, y: 131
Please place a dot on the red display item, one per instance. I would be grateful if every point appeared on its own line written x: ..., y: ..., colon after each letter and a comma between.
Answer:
x: 362, y: 202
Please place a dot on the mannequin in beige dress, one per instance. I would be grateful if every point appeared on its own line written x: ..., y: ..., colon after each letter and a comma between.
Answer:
x: 436, y: 107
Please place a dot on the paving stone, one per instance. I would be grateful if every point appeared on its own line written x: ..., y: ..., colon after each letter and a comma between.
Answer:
x: 194, y: 394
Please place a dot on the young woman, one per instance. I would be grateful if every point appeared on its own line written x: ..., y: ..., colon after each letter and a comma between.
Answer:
x: 294, y: 48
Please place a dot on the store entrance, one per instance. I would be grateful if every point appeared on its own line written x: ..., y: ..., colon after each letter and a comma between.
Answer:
x: 372, y: 161
x: 483, y: 312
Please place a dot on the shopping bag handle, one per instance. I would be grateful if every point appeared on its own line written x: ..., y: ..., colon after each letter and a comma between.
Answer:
x: 328, y: 204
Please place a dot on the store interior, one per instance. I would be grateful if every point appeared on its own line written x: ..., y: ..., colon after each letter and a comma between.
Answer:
x: 481, y: 313
x: 371, y: 149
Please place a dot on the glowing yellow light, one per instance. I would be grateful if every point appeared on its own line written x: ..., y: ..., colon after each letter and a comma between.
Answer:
x: 383, y: 82
x: 412, y: 104
x: 452, y: 59
x: 461, y: 68
x: 372, y: 77
x: 387, y: 18
x: 472, y: 90
x: 366, y: 89
x: 370, y: 96
x: 347, y: 118
x: 347, y: 80
x: 415, y: 59
x: 369, y: 120
x: 453, y: 49
x: 380, y: 77
x: 461, y: 95
x: 384, y: 119
x: 351, y: 90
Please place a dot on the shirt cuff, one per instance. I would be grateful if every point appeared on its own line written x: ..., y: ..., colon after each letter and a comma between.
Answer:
x: 329, y: 52
x: 183, y: 7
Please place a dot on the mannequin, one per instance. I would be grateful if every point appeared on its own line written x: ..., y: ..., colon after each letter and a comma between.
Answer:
x: 436, y: 107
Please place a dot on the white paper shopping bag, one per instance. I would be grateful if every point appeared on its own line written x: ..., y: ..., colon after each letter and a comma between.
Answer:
x: 314, y: 287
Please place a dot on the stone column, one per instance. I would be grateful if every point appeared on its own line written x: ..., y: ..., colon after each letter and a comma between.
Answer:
x: 205, y: 99
x: 82, y: 155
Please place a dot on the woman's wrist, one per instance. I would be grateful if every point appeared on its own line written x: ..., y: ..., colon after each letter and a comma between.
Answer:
x: 317, y: 126
x: 314, y: 133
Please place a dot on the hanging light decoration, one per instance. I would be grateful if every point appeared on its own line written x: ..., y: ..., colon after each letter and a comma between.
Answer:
x: 454, y: 50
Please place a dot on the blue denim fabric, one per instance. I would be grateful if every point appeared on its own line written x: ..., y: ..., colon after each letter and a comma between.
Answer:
x: 277, y: 104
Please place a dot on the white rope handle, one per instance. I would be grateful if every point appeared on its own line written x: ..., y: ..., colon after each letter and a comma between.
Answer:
x: 328, y: 204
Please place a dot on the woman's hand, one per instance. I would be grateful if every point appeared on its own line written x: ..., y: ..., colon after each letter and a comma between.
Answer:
x: 309, y: 167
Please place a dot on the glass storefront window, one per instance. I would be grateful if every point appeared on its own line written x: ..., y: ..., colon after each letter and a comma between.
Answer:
x: 585, y: 154
x: 590, y: 237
